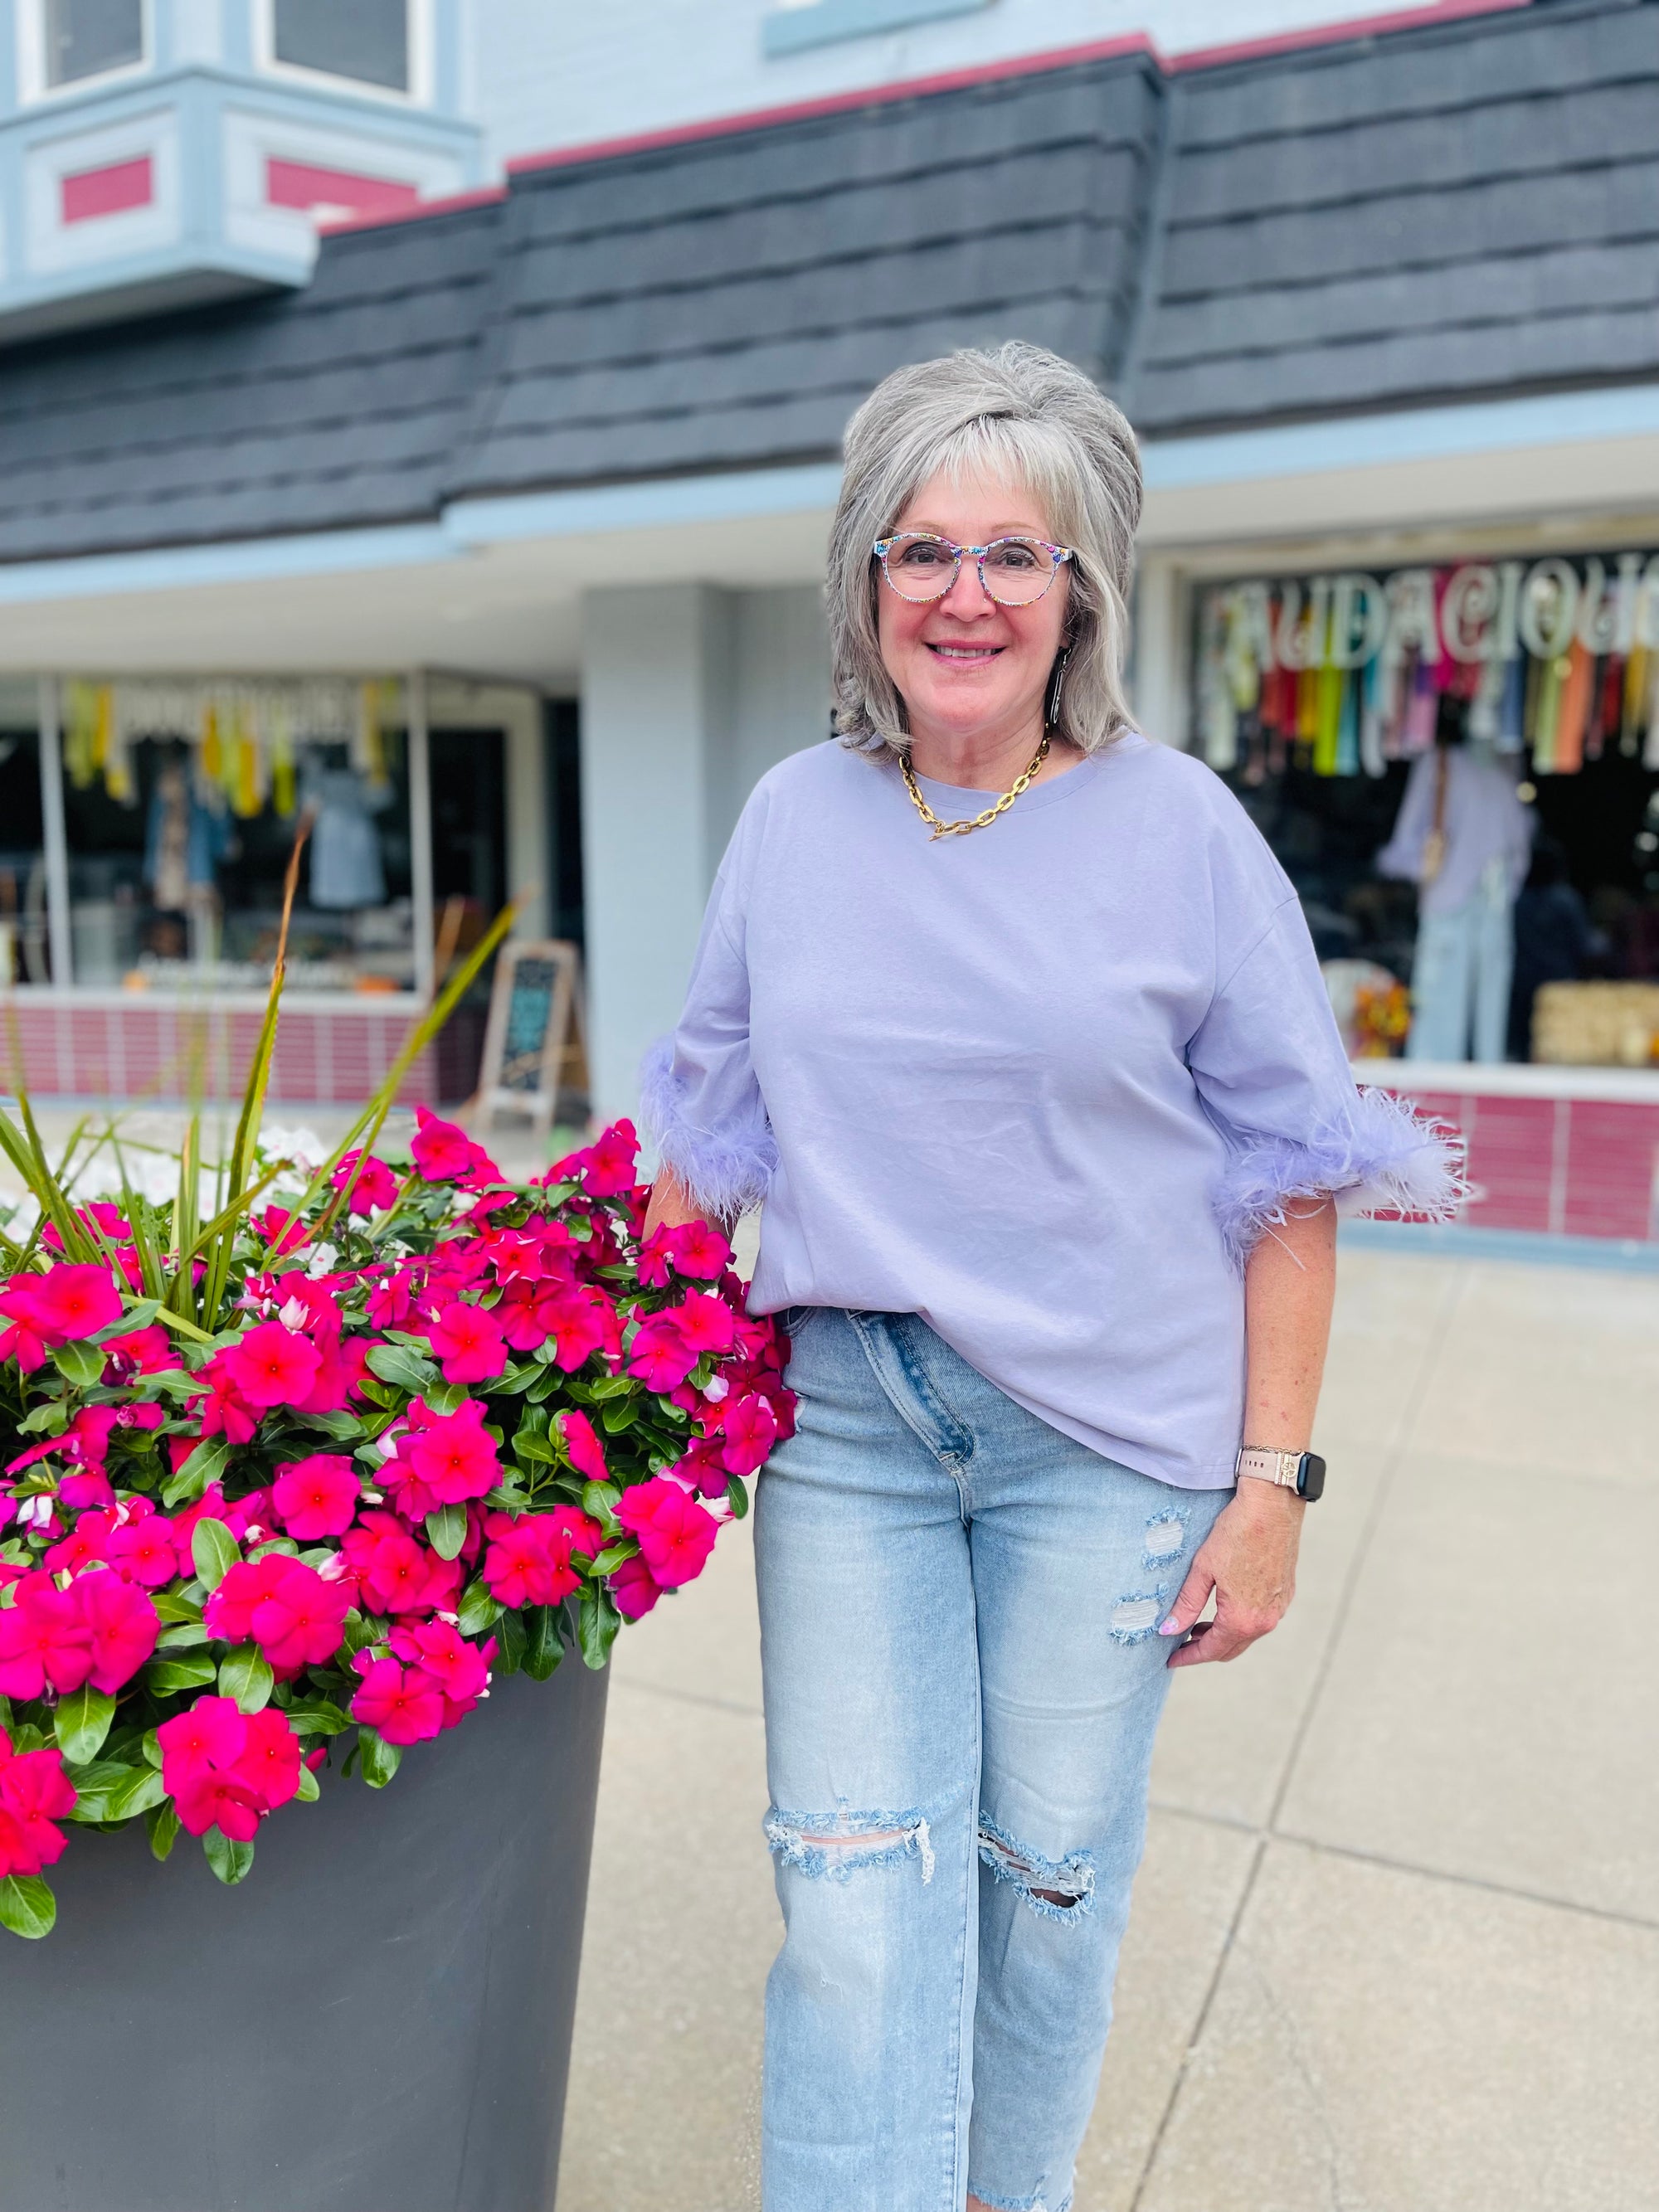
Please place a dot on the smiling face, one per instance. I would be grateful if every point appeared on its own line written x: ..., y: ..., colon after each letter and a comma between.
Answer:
x: 971, y: 672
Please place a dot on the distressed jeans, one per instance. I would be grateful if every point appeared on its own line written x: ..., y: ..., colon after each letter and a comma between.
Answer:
x: 959, y: 1610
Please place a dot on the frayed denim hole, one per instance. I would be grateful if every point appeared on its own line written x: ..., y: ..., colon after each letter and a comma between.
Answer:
x: 1038, y: 2203
x: 1166, y: 1535
x: 1028, y: 1872
x: 824, y: 1846
x: 1134, y: 1618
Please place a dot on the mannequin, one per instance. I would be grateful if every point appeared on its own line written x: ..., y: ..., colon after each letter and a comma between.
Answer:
x: 1464, y: 837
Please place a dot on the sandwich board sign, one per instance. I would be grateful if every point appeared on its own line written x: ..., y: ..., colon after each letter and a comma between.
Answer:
x: 533, y: 1039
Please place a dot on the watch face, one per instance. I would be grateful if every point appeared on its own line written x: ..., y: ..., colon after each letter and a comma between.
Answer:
x: 1312, y: 1484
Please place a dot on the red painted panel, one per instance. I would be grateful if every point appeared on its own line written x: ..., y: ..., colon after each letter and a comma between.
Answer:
x: 1511, y: 1150
x: 92, y: 193
x: 1612, y: 1161
x: 301, y: 185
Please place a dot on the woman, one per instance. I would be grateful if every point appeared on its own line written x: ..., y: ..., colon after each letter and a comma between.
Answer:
x: 1012, y: 1019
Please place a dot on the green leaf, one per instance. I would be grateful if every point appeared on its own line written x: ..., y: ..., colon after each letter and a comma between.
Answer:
x: 308, y: 1791
x: 204, y: 1466
x: 613, y: 1555
x: 80, y: 1364
x: 517, y: 1378
x: 507, y: 1498
x: 182, y: 1636
x: 621, y: 1413
x: 527, y: 1446
x: 341, y: 1426
x: 108, y: 1791
x: 514, y: 1639
x: 48, y: 1420
x: 317, y: 1718
x: 395, y: 1363
x: 477, y: 1610
x: 543, y: 1649
x: 610, y: 1386
x: 445, y: 1397
x: 152, y: 1749
x: 285, y: 1544
x: 737, y: 1497
x: 597, y: 1623
x: 228, y: 1860
x: 171, y: 1605
x: 82, y: 1722
x: 446, y: 1530
x: 191, y: 1670
x: 163, y: 1821
x: 214, y: 1550
x: 245, y: 1676
x: 380, y: 1759
x: 600, y: 1499
x: 28, y: 1906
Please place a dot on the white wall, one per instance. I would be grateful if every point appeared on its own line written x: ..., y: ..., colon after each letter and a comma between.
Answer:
x: 543, y: 74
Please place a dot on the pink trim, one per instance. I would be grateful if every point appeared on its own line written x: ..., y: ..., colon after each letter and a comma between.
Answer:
x: 301, y: 185
x: 90, y: 193
x: 1329, y: 34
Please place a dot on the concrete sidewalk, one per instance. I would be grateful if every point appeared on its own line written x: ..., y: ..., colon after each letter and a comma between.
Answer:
x: 1395, y: 1944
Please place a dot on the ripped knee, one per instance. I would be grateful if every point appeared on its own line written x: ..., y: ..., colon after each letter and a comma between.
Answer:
x: 841, y: 1843
x: 1058, y: 1889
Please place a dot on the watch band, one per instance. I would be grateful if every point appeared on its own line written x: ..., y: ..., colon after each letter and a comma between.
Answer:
x: 1301, y: 1472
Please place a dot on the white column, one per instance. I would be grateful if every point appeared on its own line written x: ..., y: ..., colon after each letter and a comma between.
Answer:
x: 529, y: 862
x: 53, y: 838
x: 1159, y: 682
x: 656, y: 737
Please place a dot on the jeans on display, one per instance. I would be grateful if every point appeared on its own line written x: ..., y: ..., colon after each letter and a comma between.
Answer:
x: 1463, y: 964
x: 959, y: 1612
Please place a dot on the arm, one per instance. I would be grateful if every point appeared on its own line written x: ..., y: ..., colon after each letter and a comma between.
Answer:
x: 671, y: 1204
x: 1248, y: 1558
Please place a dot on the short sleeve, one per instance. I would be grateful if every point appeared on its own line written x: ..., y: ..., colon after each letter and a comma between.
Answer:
x: 1268, y: 1062
x: 699, y: 1100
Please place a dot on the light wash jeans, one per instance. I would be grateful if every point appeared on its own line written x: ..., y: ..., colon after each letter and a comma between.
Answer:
x: 1462, y: 966
x: 959, y: 1611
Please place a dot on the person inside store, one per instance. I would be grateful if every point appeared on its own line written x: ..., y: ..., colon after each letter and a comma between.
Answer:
x: 1010, y: 1020
x: 1463, y: 835
x: 1555, y: 941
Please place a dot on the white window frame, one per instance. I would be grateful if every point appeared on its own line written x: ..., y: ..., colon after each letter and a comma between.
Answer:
x: 32, y: 84
x: 421, y: 72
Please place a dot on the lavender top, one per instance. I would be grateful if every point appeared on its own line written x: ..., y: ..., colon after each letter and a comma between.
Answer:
x: 1042, y: 1086
x: 1487, y: 820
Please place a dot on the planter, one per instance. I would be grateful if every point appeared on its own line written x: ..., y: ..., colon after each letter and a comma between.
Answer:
x: 379, y: 2017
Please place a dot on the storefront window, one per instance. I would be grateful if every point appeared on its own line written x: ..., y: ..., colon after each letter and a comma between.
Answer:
x: 25, y: 936
x: 1334, y: 705
x: 181, y: 805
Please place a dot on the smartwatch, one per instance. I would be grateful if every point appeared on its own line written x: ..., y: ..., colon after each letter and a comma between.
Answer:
x: 1301, y: 1472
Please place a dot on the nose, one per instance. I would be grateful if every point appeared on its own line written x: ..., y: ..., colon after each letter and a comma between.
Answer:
x: 968, y: 598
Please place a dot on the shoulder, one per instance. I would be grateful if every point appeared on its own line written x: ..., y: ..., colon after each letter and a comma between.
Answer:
x: 1188, y: 799
x: 815, y: 774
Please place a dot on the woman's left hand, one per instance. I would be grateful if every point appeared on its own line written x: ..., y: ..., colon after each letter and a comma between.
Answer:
x: 1248, y: 1559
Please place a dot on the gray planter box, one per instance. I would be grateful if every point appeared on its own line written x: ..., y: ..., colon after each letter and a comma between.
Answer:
x: 379, y: 2016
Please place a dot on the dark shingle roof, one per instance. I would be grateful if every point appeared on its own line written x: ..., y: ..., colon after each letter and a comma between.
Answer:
x: 1439, y: 212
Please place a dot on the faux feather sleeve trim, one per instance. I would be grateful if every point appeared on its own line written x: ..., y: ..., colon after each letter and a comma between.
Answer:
x: 725, y: 1170
x: 1388, y: 1159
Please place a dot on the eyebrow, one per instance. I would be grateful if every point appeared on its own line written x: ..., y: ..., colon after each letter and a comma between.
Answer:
x: 998, y: 530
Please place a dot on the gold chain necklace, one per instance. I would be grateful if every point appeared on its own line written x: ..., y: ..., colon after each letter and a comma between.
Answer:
x: 1021, y: 783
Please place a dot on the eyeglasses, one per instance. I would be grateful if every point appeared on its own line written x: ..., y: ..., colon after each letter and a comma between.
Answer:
x: 1012, y: 571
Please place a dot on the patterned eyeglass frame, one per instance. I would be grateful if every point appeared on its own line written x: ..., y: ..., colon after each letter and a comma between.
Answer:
x: 884, y: 546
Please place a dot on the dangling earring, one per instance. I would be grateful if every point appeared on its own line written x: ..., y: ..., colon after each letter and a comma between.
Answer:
x: 1057, y: 684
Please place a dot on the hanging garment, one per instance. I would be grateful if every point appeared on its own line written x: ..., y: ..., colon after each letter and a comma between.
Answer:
x: 1463, y: 965
x: 345, y: 846
x: 1572, y: 711
x: 1512, y: 707
x: 1483, y: 818
x: 184, y: 843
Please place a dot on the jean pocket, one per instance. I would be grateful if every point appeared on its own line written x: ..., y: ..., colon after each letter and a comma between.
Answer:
x: 794, y: 1319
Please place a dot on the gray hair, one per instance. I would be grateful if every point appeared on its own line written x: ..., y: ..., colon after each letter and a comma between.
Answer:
x: 1025, y: 415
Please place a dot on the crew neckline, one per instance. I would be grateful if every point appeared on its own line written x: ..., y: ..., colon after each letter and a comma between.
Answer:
x: 954, y: 799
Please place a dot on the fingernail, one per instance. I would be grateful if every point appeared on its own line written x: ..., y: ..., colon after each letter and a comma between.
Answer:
x: 1171, y: 1627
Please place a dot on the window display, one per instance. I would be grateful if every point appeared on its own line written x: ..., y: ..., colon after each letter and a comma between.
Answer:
x: 1338, y: 705
x: 181, y: 803
x: 25, y: 937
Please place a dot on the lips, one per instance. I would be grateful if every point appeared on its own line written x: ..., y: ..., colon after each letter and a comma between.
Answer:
x: 966, y: 656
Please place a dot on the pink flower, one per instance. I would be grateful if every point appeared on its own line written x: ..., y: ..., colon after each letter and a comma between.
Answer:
x: 705, y: 1321
x: 224, y: 1802
x: 272, y: 1366
x: 676, y: 1534
x: 87, y: 1487
x: 452, y: 1455
x: 268, y: 1764
x: 225, y: 1411
x: 35, y: 1792
x: 439, y: 1150
x: 586, y: 1456
x: 142, y: 1550
x: 608, y: 1165
x: 75, y: 1302
x: 468, y: 1341
x: 395, y: 1573
x: 660, y: 1354
x: 316, y: 1497
x: 460, y: 1670
x: 226, y: 1769
x: 44, y: 1640
x: 284, y: 1607
x: 84, y: 1543
x: 634, y: 1589
x: 145, y: 1351
x: 693, y: 1249
x: 281, y: 1231
x: 209, y: 1737
x: 122, y: 1626
x: 402, y: 1704
x: 375, y: 1188
x: 749, y: 1429
x: 528, y: 1559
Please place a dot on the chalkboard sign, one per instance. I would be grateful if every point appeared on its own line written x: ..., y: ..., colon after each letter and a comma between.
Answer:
x: 533, y: 1042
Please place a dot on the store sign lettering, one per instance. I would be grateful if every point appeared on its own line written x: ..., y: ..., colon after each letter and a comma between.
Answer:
x: 1486, y: 611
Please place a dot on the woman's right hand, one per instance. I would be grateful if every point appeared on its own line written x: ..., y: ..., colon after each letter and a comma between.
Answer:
x: 671, y: 1205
